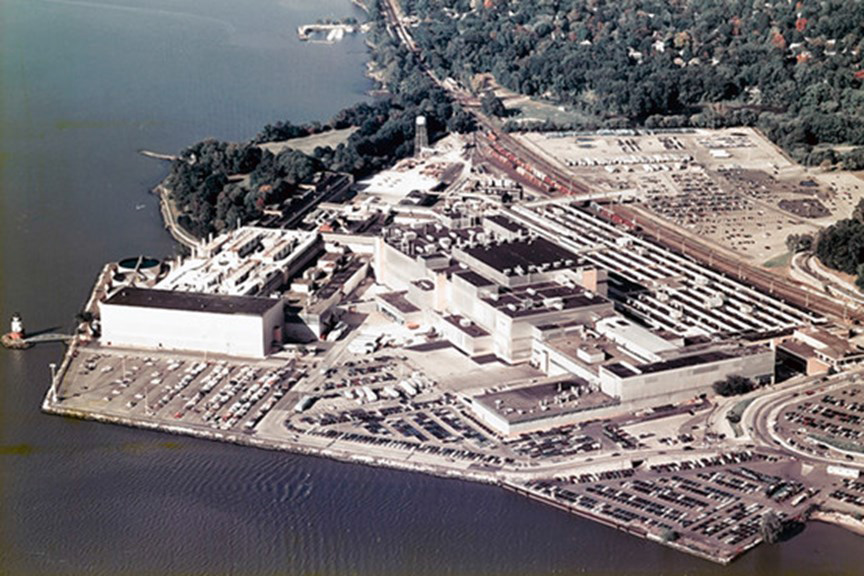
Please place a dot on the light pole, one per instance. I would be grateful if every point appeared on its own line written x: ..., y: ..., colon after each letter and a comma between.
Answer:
x: 53, y: 367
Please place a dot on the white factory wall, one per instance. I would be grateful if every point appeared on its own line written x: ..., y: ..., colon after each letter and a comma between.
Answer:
x: 230, y: 334
x: 470, y: 345
x: 358, y: 243
x: 354, y: 281
x: 422, y: 298
x: 491, y: 418
x: 503, y: 427
x: 395, y: 269
x: 683, y: 383
x: 514, y: 337
x: 463, y: 295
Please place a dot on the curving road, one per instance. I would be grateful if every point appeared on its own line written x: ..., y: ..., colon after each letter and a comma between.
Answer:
x: 760, y: 418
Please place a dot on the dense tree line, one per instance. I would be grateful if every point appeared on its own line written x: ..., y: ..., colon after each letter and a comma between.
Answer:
x: 791, y: 68
x: 841, y: 245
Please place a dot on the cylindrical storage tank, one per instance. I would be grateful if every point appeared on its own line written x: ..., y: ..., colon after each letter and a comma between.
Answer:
x: 147, y: 267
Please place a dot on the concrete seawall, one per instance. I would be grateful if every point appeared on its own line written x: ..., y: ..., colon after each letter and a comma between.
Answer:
x: 50, y: 407
x: 169, y: 216
x: 723, y: 560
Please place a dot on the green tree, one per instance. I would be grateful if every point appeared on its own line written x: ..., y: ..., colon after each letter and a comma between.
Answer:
x: 770, y: 527
x: 734, y: 385
x: 492, y: 105
x: 799, y: 242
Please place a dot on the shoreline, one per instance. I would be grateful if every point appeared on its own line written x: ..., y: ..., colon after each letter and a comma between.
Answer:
x: 170, y: 217
x: 336, y: 455
x: 840, y: 519
x: 275, y: 437
x: 361, y: 5
x: 340, y: 454
x: 49, y: 407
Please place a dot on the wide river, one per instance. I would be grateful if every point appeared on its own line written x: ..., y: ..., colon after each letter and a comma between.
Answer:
x: 83, y: 86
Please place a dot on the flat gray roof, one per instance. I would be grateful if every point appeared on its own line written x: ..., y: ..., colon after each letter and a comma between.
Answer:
x: 398, y: 301
x: 521, y: 253
x: 523, y: 404
x: 471, y: 329
x: 192, y: 301
x: 474, y: 278
x: 506, y: 223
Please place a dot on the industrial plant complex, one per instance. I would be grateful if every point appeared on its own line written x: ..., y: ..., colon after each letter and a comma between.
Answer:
x: 479, y: 327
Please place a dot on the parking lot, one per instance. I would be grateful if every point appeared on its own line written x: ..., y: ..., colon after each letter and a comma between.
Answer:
x: 554, y: 443
x: 823, y: 421
x: 219, y: 394
x: 714, y: 505
x: 731, y: 187
x: 438, y: 426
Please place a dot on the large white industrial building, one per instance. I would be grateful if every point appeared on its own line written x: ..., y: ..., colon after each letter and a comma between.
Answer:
x: 214, y: 301
x: 172, y: 320
x: 505, y: 287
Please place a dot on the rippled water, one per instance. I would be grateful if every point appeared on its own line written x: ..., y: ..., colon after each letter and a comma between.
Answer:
x: 83, y: 85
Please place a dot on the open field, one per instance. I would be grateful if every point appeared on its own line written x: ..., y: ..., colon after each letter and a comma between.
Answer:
x: 307, y: 144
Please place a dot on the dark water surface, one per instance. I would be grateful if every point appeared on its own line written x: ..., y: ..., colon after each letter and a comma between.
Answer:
x: 83, y: 86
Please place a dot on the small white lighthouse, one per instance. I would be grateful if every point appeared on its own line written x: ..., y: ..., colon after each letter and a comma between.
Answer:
x: 17, y: 326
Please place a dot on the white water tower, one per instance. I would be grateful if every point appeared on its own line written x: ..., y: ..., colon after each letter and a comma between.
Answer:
x: 17, y: 326
x: 421, y: 135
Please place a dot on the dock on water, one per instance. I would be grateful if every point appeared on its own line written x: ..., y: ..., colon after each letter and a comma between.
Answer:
x: 327, y: 33
x: 157, y: 155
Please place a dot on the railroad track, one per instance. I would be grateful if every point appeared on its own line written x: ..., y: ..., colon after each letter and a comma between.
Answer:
x: 561, y: 179
x: 789, y: 290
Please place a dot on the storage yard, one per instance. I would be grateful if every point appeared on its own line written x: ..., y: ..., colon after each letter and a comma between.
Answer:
x: 731, y: 187
x: 198, y: 391
x: 826, y: 423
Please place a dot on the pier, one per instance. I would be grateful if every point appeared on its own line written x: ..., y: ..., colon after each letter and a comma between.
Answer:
x: 331, y: 32
x: 157, y: 155
x: 12, y: 343
x: 16, y: 338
